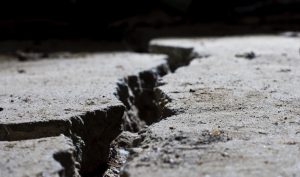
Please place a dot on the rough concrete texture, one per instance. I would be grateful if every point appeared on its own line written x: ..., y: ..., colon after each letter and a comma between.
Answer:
x: 51, y: 157
x: 233, y: 113
x: 78, y: 97
x: 50, y: 90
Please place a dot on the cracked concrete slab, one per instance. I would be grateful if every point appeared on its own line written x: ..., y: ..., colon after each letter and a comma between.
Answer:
x: 232, y: 113
x: 59, y: 89
x: 53, y: 157
x: 77, y: 97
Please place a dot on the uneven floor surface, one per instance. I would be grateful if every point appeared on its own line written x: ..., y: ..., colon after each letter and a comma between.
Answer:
x: 234, y: 112
x: 79, y: 97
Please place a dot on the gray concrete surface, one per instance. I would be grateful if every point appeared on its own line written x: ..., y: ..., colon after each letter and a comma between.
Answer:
x: 51, y: 157
x: 78, y: 97
x: 232, y: 113
x: 59, y: 89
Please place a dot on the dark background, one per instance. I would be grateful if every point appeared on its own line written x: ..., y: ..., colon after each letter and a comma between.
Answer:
x: 137, y: 21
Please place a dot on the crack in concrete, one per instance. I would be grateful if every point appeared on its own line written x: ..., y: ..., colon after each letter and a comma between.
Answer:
x: 93, y: 132
x: 144, y: 104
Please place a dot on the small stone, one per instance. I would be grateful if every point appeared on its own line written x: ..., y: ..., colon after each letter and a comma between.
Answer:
x: 285, y: 70
x: 262, y: 133
x: 89, y: 102
x: 290, y: 143
x: 275, y: 123
x: 215, y: 132
x: 192, y: 91
x: 21, y: 71
x: 248, y: 55
x: 225, y: 154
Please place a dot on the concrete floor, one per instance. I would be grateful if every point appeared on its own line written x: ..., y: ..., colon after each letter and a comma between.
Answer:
x: 234, y: 112
x: 231, y: 108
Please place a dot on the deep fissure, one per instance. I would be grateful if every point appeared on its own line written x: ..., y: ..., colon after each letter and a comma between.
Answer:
x: 93, y: 132
x: 144, y: 104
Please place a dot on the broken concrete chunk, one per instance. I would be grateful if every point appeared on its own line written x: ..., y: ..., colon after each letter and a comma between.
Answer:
x: 176, y: 57
x: 246, y: 55
x: 53, y: 157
